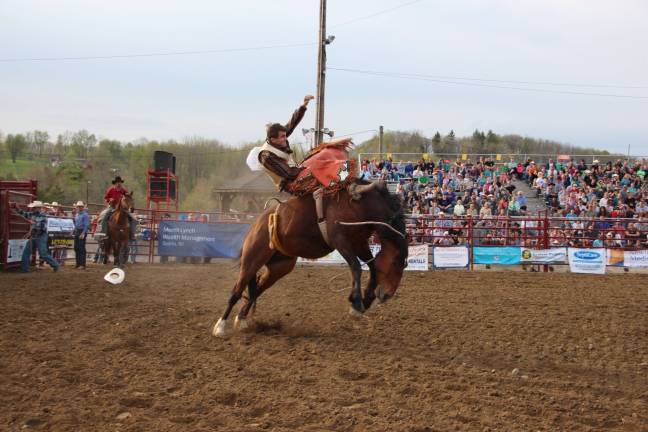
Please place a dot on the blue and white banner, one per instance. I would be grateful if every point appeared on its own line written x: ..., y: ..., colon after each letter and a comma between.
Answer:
x: 451, y: 257
x: 59, y: 225
x: 587, y: 260
x: 505, y: 255
x: 198, y: 239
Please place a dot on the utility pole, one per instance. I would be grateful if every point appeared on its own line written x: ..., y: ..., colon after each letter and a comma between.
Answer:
x: 380, y: 143
x: 321, y: 73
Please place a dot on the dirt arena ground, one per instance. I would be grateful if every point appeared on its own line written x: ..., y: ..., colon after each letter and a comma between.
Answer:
x: 481, y: 351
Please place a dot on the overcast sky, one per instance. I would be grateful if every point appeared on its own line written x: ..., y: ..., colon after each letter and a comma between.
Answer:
x: 230, y: 96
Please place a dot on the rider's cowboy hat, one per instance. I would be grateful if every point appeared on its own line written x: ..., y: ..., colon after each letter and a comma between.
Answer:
x: 79, y: 204
x: 35, y: 204
x: 55, y: 204
x: 118, y: 179
x: 115, y: 276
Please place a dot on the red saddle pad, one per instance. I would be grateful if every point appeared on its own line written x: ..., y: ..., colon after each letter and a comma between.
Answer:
x: 329, y: 166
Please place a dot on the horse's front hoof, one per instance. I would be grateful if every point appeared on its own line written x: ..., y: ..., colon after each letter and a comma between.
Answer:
x: 355, y: 313
x: 219, y: 328
x: 240, y: 324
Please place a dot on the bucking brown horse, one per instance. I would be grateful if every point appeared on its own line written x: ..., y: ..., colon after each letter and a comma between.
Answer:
x: 352, y: 216
x: 118, y: 230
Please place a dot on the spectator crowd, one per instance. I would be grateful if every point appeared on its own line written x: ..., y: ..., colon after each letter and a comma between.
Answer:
x: 590, y: 205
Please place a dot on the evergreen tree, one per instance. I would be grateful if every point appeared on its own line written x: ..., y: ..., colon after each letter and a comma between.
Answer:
x: 436, y: 143
x: 450, y: 143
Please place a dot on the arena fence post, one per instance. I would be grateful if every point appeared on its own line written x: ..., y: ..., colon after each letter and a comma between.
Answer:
x: 546, y: 237
x: 471, y: 239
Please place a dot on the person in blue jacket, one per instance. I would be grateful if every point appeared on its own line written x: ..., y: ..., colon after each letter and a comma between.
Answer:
x: 38, y: 219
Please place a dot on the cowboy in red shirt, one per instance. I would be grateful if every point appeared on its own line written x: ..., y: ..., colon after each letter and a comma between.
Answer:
x: 112, y: 197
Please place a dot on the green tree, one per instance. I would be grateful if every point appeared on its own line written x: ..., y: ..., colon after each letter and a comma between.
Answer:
x: 436, y: 143
x: 16, y: 145
x: 479, y: 140
x: 492, y: 140
x: 37, y: 141
x: 450, y: 143
x: 81, y: 143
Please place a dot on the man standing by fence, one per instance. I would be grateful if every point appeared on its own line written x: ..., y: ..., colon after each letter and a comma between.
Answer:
x: 38, y: 239
x: 81, y: 227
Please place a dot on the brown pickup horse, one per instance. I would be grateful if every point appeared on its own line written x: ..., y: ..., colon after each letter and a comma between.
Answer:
x: 350, y: 223
x: 118, y: 230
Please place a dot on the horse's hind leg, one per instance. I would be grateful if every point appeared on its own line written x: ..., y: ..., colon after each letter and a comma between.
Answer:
x: 278, y: 266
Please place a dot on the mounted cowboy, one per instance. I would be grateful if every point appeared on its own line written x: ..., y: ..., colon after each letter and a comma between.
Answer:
x: 113, y: 196
x: 275, y: 158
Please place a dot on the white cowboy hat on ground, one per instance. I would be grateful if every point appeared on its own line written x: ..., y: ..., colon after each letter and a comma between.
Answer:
x: 79, y: 204
x: 35, y: 204
x: 115, y: 276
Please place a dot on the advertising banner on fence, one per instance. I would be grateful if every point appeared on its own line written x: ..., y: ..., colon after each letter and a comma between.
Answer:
x: 632, y: 259
x: 587, y: 260
x: 507, y: 255
x: 59, y: 225
x: 197, y: 239
x: 544, y: 256
x: 450, y: 257
x: 15, y: 250
x: 417, y: 258
x: 332, y: 258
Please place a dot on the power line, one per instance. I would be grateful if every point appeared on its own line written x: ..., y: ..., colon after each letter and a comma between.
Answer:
x: 155, y: 54
x: 549, y: 83
x: 376, y: 13
x: 357, y: 133
x: 196, y: 52
x: 472, y: 84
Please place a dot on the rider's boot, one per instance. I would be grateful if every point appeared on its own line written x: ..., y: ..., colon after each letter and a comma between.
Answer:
x: 318, y: 195
x: 103, y: 228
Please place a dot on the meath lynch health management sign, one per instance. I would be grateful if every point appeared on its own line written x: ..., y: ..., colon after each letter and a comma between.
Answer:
x: 199, y: 239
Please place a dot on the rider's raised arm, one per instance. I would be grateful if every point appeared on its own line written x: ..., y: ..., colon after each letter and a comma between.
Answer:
x: 297, y: 116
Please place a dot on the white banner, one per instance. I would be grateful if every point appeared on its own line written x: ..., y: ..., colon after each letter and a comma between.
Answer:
x: 448, y: 257
x: 635, y: 259
x: 587, y: 260
x: 59, y: 225
x: 15, y: 250
x: 417, y: 258
x: 632, y: 259
x: 544, y: 256
x: 332, y: 258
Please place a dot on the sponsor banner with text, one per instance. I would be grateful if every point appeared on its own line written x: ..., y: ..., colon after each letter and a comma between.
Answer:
x: 544, y: 256
x: 631, y: 259
x: 587, y: 260
x: 507, y: 255
x: 450, y: 257
x: 198, y: 239
x: 417, y: 259
x: 15, y: 250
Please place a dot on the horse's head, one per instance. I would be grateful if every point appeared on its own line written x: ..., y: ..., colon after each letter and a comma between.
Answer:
x: 391, y: 261
x: 127, y: 202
